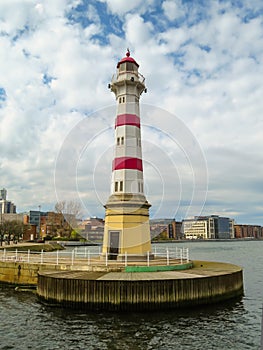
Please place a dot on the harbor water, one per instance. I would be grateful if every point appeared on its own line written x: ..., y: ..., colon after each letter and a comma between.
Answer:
x: 27, y: 323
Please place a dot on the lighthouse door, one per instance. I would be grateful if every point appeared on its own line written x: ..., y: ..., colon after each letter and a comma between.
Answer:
x: 114, y: 244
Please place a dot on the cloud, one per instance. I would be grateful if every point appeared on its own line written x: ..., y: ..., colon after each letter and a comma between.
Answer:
x: 173, y: 9
x: 120, y: 7
x: 203, y: 64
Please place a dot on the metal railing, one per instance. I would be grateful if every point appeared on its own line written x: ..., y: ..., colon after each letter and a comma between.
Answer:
x: 91, y: 257
x: 127, y: 75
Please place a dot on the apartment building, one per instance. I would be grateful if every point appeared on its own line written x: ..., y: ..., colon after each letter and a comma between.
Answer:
x: 248, y: 231
x: 208, y: 227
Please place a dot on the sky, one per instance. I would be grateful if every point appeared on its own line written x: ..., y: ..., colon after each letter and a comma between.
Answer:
x: 202, y: 122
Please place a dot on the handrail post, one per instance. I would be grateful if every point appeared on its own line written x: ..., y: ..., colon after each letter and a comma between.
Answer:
x: 125, y: 257
x: 41, y: 257
x: 85, y: 252
x: 57, y: 257
x: 261, y: 340
x: 88, y: 257
x: 167, y: 256
x: 4, y: 254
x: 148, y: 258
x: 28, y: 255
x: 106, y: 259
x: 181, y: 255
x: 72, y: 257
x: 16, y: 256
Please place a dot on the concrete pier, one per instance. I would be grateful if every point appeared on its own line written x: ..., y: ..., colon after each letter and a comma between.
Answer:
x: 205, y: 283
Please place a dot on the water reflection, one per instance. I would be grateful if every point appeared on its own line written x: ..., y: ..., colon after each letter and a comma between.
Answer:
x: 26, y: 323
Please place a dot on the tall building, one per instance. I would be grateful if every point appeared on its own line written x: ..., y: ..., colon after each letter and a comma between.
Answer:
x: 127, y: 227
x: 3, y: 193
x: 208, y: 227
x: 6, y: 207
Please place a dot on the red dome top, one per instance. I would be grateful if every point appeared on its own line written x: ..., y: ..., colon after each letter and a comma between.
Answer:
x: 127, y: 59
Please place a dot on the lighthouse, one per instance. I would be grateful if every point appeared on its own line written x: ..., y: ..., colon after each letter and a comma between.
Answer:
x: 127, y: 229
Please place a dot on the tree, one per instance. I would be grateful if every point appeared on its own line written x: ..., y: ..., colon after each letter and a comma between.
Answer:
x: 70, y: 211
x: 11, y: 231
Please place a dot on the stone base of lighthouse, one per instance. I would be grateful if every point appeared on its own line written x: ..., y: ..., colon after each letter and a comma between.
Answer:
x: 127, y: 228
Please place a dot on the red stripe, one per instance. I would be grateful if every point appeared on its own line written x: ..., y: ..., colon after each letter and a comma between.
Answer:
x: 127, y: 119
x: 127, y: 163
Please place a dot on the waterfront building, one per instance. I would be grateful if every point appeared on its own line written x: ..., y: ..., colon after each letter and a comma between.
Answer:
x: 6, y: 207
x: 174, y: 230
x: 208, y: 227
x: 127, y: 228
x: 92, y: 229
x: 165, y: 229
x: 46, y: 224
x: 248, y: 231
x: 195, y: 229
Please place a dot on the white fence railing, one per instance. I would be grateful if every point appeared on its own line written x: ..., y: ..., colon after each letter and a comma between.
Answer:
x: 87, y: 257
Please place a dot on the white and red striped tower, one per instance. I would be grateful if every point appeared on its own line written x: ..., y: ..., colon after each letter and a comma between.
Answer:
x: 127, y: 227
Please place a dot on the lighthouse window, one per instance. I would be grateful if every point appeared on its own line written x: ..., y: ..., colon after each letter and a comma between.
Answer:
x: 120, y: 100
x: 116, y: 186
x: 139, y: 186
x: 118, y: 141
x: 122, y: 141
x: 129, y: 66
x: 122, y: 67
x: 121, y: 186
x: 123, y: 99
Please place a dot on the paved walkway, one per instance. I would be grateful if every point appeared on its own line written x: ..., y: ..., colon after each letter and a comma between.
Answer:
x: 200, y: 269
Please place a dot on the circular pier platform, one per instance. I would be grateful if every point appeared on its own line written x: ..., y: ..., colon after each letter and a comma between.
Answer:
x: 205, y: 283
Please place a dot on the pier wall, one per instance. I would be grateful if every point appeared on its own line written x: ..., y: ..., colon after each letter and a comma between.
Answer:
x: 92, y: 294
x: 205, y: 283
x: 24, y: 273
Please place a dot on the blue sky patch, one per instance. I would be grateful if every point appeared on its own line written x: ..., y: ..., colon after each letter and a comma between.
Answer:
x: 47, y: 79
x: 2, y: 95
x: 94, y: 12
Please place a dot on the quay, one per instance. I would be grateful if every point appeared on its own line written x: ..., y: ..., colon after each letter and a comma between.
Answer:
x: 204, y: 283
x: 91, y: 283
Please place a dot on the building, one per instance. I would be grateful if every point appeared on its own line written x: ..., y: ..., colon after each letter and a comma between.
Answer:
x: 3, y: 194
x: 45, y: 224
x: 159, y: 228
x: 127, y: 228
x: 6, y: 207
x: 248, y: 231
x: 92, y: 229
x: 166, y: 229
x: 12, y: 217
x: 208, y: 227
x: 195, y: 229
x: 175, y: 230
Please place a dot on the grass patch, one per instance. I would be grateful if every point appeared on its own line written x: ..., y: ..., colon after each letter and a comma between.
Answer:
x: 34, y: 247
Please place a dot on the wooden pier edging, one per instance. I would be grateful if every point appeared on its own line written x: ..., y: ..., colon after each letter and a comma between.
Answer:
x: 205, y: 283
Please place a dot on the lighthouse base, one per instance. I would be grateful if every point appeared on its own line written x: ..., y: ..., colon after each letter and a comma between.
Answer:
x: 127, y: 228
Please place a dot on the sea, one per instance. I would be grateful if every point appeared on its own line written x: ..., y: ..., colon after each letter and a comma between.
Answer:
x: 27, y: 323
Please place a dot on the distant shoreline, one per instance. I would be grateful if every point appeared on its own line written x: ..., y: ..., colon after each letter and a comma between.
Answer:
x: 208, y: 240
